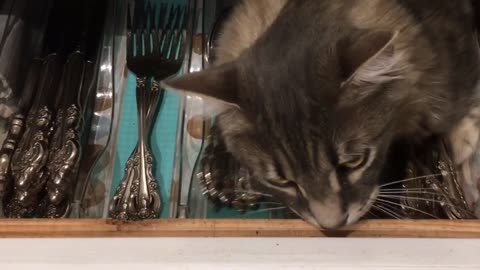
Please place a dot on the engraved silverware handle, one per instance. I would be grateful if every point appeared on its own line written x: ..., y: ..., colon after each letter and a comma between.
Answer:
x: 17, y: 127
x: 15, y: 133
x: 65, y: 146
x: 30, y: 157
x: 150, y: 62
x: 142, y: 199
x: 119, y: 205
x: 137, y: 196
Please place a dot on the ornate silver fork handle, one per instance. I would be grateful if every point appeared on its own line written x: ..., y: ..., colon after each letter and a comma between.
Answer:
x: 152, y: 51
x: 137, y: 196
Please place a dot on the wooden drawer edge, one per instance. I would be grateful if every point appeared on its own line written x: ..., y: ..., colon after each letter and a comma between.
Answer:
x: 11, y: 228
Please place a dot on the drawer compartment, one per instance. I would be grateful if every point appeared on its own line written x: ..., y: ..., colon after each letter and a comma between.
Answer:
x: 186, y: 212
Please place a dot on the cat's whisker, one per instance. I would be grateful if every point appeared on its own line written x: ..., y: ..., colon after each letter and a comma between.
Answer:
x: 371, y: 213
x: 405, y: 189
x: 406, y: 206
x: 414, y: 178
x: 384, y: 208
x: 376, y: 208
x: 253, y: 193
x: 417, y: 199
x: 390, y: 207
x: 264, y: 210
x: 409, y: 192
x: 386, y: 211
x: 390, y: 213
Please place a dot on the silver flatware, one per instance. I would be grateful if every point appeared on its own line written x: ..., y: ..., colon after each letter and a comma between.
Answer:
x: 443, y: 196
x: 187, y: 200
x: 181, y: 185
x: 95, y: 175
x: 30, y: 157
x: 15, y: 133
x: 155, y: 51
x: 66, y: 145
x: 222, y: 179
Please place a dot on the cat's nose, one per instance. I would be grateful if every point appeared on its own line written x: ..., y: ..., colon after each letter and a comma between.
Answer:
x: 340, y: 224
x: 328, y: 216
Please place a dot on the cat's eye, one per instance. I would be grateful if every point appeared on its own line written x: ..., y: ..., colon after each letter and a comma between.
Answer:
x: 355, y: 162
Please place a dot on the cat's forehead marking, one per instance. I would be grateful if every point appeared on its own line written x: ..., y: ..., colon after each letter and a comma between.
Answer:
x: 334, y: 182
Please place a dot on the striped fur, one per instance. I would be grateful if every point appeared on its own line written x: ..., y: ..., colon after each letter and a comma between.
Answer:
x: 322, y: 88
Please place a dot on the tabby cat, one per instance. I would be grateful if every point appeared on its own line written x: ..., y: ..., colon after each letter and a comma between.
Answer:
x: 317, y: 91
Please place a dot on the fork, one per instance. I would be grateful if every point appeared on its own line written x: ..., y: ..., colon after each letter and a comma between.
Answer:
x: 155, y: 51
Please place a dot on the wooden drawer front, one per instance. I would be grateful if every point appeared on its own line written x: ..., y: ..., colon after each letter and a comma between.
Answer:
x: 13, y: 228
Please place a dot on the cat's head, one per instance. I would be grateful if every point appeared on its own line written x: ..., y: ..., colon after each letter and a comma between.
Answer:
x: 313, y: 126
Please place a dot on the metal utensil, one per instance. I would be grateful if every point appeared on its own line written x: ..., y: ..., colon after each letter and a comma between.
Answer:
x: 15, y: 132
x: 73, y: 123
x: 154, y: 51
x: 102, y: 116
x: 223, y: 180
x: 186, y: 148
x: 444, y: 197
x: 65, y: 147
x: 30, y: 157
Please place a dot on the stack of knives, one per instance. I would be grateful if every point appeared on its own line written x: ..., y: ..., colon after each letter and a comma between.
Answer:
x: 39, y: 159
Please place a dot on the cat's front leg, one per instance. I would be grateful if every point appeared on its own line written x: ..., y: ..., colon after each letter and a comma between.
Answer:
x: 464, y: 138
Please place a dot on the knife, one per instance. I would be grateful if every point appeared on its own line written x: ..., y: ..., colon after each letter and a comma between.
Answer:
x: 15, y: 132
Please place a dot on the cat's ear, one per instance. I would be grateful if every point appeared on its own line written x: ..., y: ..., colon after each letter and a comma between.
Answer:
x: 369, y: 58
x: 218, y: 82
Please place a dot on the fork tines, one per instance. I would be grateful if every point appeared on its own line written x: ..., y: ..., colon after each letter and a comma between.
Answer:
x: 157, y: 31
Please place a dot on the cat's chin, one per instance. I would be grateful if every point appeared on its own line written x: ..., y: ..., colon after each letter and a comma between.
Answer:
x: 310, y: 219
x: 356, y: 212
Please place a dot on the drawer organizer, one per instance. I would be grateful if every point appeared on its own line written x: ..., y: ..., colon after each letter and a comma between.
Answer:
x: 186, y: 211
